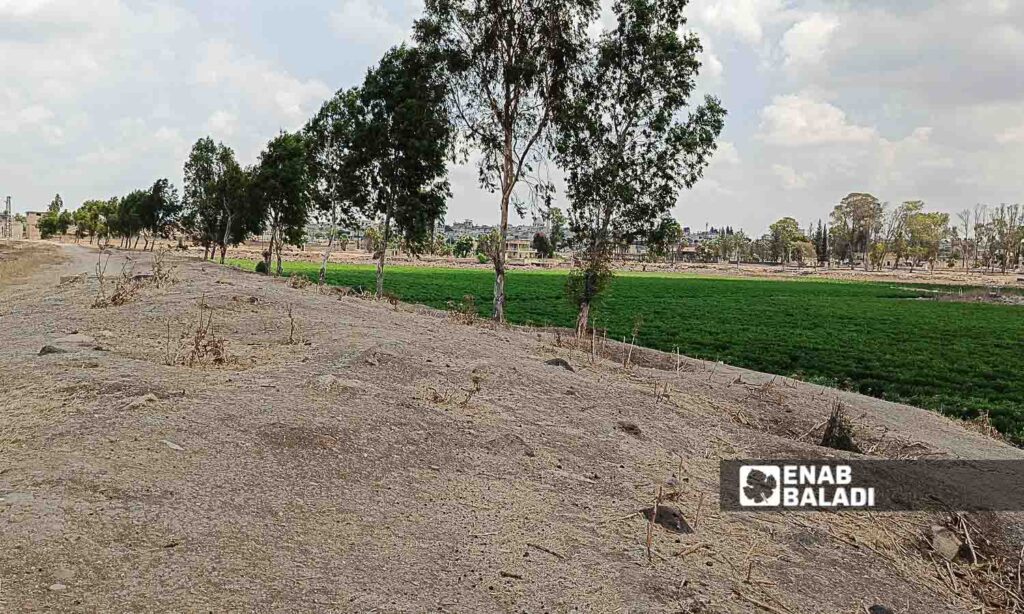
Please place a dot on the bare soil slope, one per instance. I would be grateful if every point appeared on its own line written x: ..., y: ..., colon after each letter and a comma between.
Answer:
x: 317, y: 453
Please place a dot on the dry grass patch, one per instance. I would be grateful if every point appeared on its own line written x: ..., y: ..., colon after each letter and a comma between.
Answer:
x: 19, y: 259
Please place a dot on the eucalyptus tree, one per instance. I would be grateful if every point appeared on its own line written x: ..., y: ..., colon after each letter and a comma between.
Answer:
x: 1007, y: 221
x: 160, y: 210
x: 203, y: 214
x: 241, y: 215
x: 335, y: 170
x: 509, y: 64
x: 403, y: 137
x: 217, y: 207
x: 926, y: 232
x: 964, y: 218
x: 855, y: 224
x: 281, y: 189
x: 664, y: 236
x: 784, y: 235
x: 625, y: 141
x: 129, y: 219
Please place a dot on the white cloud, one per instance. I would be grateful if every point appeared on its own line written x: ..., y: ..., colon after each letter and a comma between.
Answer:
x: 789, y: 178
x: 250, y: 80
x: 747, y: 19
x: 726, y: 153
x: 805, y: 43
x: 222, y: 124
x: 367, y: 23
x: 800, y: 119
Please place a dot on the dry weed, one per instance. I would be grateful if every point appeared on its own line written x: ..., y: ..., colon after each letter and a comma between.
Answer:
x: 299, y: 282
x: 465, y: 311
x: 839, y: 430
x: 197, y: 344
x: 982, y: 424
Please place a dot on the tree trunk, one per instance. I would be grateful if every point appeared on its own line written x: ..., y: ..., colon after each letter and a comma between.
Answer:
x: 382, y: 251
x: 327, y: 251
x: 583, y: 319
x: 499, y: 261
x: 226, y: 238
x: 269, y: 254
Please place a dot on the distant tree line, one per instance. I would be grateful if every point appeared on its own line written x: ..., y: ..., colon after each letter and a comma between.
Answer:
x: 863, y: 231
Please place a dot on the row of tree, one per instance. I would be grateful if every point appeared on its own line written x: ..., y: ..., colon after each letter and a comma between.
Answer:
x: 140, y: 215
x: 520, y: 87
x: 376, y: 152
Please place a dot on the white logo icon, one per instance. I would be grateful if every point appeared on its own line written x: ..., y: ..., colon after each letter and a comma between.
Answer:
x: 760, y: 486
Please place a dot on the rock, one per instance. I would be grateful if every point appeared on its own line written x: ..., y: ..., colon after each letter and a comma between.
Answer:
x: 138, y: 402
x: 57, y: 587
x: 629, y: 428
x: 880, y: 609
x: 669, y: 518
x: 560, y: 362
x: 173, y: 446
x: 945, y: 543
x: 51, y: 349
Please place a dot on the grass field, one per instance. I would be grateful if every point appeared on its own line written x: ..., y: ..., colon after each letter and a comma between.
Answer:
x: 874, y: 338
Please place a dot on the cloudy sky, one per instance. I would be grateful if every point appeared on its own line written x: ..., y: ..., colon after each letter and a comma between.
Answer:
x: 906, y: 100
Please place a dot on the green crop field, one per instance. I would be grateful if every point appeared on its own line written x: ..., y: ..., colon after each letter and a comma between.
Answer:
x: 956, y: 357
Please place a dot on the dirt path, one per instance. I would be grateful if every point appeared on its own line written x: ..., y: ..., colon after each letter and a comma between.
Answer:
x: 352, y: 456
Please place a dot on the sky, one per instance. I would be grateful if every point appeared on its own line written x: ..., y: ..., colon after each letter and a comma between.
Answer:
x: 906, y: 100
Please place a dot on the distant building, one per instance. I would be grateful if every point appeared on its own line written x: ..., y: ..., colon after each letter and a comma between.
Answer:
x: 519, y: 249
x: 32, y: 225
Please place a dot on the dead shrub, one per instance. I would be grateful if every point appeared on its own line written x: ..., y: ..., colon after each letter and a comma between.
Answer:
x: 197, y: 344
x: 299, y: 282
x: 464, y: 311
x: 163, y: 271
x: 839, y: 430
x: 391, y: 299
x: 982, y: 423
x: 128, y: 283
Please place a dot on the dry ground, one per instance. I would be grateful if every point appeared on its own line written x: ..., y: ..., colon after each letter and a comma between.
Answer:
x: 317, y: 453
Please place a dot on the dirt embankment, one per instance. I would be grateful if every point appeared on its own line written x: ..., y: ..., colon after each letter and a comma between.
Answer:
x: 220, y: 441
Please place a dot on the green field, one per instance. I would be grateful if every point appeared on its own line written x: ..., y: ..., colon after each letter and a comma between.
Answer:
x: 874, y: 338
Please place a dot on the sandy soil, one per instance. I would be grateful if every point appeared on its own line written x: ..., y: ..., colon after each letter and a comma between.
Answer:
x: 355, y: 456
